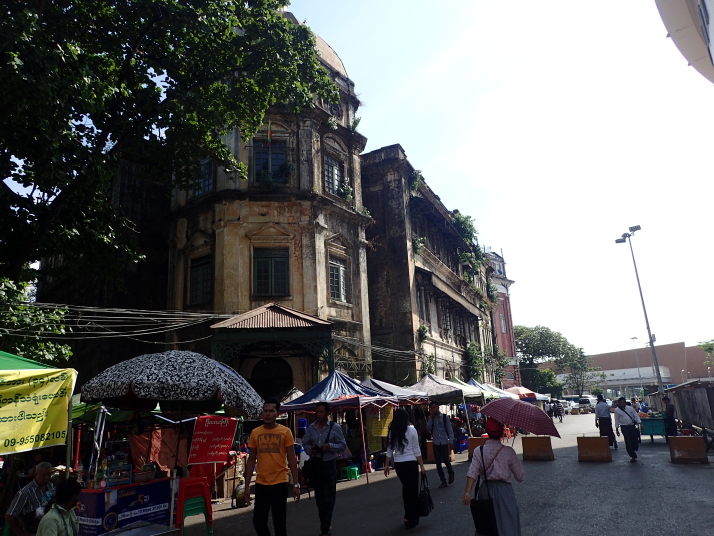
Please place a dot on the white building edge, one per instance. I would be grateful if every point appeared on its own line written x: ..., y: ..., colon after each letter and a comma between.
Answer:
x: 689, y: 25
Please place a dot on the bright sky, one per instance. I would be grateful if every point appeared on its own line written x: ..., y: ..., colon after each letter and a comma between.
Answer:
x: 556, y: 125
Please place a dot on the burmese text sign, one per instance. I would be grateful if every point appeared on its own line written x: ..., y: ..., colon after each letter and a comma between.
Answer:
x: 212, y: 439
x: 33, y: 408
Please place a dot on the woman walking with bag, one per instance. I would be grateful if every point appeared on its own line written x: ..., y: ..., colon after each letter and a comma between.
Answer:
x: 496, y: 463
x: 403, y: 446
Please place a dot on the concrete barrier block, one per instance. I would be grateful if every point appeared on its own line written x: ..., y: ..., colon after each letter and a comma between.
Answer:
x: 687, y: 449
x: 475, y: 442
x: 537, y: 448
x: 594, y: 449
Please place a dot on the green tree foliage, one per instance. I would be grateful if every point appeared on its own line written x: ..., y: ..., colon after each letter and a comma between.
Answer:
x: 546, y: 382
x: 537, y: 345
x: 464, y: 224
x: 474, y: 361
x: 579, y: 372
x: 86, y: 84
x: 708, y: 347
x: 23, y: 326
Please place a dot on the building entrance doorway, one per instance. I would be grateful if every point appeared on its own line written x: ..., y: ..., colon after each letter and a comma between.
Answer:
x: 272, y: 377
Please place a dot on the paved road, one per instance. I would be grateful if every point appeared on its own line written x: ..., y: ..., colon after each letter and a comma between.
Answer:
x: 559, y: 498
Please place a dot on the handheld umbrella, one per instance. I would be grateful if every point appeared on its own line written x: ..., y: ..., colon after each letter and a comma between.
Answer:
x: 521, y: 415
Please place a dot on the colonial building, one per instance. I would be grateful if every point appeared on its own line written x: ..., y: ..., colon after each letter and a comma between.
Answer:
x: 292, y: 232
x: 426, y: 295
x: 503, y: 319
x: 319, y: 258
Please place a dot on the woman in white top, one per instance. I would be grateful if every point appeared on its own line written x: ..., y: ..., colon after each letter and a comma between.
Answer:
x: 403, y: 446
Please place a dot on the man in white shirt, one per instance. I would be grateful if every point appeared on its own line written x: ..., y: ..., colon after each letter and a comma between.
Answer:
x: 627, y: 419
x: 603, y: 421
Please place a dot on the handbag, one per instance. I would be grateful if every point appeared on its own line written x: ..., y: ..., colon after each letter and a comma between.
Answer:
x: 482, y: 510
x: 312, y: 468
x: 426, y: 505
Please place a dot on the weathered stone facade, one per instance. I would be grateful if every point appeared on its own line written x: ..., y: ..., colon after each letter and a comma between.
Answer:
x: 419, y: 298
x: 292, y: 233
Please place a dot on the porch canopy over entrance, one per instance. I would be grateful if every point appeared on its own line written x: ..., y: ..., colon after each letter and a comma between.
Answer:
x: 276, y: 348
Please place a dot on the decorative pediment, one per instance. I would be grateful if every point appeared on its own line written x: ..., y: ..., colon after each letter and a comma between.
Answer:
x: 271, y: 232
x: 199, y: 240
x: 335, y: 145
x: 338, y: 242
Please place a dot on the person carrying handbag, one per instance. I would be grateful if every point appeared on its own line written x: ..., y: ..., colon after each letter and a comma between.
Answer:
x: 324, y: 441
x: 499, y: 463
x: 403, y: 448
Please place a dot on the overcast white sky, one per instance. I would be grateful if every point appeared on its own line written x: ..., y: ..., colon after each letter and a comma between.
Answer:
x: 556, y: 125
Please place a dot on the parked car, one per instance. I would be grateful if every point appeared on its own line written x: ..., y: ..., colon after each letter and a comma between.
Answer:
x: 588, y: 403
x: 571, y: 405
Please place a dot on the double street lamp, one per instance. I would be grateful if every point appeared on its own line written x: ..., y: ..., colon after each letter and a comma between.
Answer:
x: 627, y: 237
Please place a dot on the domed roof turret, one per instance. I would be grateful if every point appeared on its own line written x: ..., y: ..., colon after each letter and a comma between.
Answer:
x: 328, y: 56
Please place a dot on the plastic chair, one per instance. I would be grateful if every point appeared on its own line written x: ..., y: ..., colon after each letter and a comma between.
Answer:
x: 193, y: 499
x: 350, y: 473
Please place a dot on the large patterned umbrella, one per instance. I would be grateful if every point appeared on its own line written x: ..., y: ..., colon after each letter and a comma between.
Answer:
x: 522, y: 415
x: 172, y: 376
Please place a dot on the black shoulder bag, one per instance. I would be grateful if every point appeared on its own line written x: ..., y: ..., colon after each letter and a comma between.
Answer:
x: 482, y: 510
x: 426, y: 505
x: 312, y: 468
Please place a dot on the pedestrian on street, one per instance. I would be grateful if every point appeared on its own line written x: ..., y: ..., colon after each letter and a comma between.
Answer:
x: 324, y: 440
x: 403, y: 447
x: 603, y: 421
x: 670, y: 424
x: 549, y: 410
x: 442, y: 435
x: 558, y: 410
x: 62, y: 520
x: 31, y: 502
x: 635, y: 404
x: 500, y: 462
x: 271, y: 445
x: 626, y: 418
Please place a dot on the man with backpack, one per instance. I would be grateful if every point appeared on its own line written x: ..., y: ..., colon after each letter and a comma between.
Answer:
x: 324, y: 441
x: 442, y: 435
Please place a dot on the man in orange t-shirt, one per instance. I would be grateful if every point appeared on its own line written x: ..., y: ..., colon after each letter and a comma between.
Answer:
x: 272, y: 445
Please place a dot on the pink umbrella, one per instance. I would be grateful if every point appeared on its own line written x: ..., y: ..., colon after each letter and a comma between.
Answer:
x: 528, y: 417
x: 521, y: 392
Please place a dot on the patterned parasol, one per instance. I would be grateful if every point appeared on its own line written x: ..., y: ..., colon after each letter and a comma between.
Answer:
x: 522, y: 415
x: 172, y: 376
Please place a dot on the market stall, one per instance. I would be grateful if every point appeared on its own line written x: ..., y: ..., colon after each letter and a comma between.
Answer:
x: 492, y: 389
x: 404, y: 395
x: 184, y: 385
x: 446, y: 392
x: 344, y: 393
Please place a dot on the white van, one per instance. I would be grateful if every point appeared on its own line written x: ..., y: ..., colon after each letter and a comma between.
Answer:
x: 587, y: 401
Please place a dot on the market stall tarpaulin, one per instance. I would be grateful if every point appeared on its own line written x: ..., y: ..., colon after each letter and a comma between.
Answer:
x: 212, y: 439
x: 34, y: 407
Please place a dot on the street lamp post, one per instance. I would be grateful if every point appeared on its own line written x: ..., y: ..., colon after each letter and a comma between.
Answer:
x: 682, y: 375
x: 627, y: 237
x: 634, y: 346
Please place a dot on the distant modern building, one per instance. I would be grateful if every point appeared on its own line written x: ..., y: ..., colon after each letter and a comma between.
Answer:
x: 677, y: 363
x: 689, y: 25
x: 503, y: 320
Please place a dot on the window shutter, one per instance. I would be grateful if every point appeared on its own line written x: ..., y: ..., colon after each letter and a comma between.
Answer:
x: 262, y: 277
x: 280, y: 277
